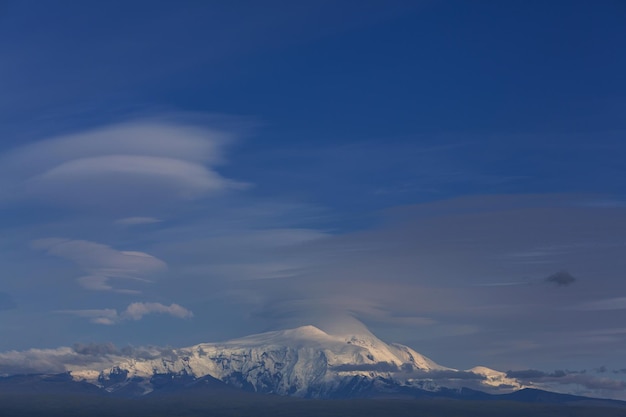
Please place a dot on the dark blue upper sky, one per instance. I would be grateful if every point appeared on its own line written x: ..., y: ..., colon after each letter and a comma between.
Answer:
x: 422, y: 166
x: 519, y: 88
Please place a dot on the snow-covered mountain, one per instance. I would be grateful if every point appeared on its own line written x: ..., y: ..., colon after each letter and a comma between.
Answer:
x: 304, y: 362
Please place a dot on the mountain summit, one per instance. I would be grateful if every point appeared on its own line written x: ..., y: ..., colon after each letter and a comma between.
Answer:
x: 303, y: 362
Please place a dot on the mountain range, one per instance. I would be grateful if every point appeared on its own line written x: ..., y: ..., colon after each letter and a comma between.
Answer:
x: 304, y: 362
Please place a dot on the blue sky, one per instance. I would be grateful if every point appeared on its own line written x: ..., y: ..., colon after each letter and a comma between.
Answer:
x: 178, y: 172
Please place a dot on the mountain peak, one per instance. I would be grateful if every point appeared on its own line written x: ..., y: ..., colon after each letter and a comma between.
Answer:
x: 307, y: 331
x: 300, y: 335
x: 303, y: 361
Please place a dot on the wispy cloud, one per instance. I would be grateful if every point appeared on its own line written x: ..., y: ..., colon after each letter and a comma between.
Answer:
x: 423, y: 270
x: 131, y: 221
x: 105, y: 316
x: 102, y: 263
x: 615, y: 303
x: 128, y: 165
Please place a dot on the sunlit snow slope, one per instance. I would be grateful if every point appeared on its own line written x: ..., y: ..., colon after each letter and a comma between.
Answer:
x: 304, y: 361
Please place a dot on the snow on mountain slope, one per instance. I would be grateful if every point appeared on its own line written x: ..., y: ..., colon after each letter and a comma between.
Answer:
x: 305, y: 362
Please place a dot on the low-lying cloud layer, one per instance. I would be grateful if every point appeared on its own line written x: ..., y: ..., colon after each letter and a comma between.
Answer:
x: 564, y: 381
x: 80, y: 356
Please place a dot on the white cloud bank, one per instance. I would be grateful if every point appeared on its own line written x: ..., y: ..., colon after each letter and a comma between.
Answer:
x: 39, y: 361
x: 135, y: 311
x: 102, y: 263
x: 78, y: 357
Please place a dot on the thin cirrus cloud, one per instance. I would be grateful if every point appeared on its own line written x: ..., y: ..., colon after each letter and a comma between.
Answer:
x: 135, y: 311
x: 425, y: 269
x: 117, y: 167
x: 616, y: 303
x: 132, y: 221
x: 104, y: 265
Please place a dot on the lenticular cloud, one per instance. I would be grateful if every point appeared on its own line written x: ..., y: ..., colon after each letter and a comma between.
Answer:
x: 105, y: 266
x: 123, y: 166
